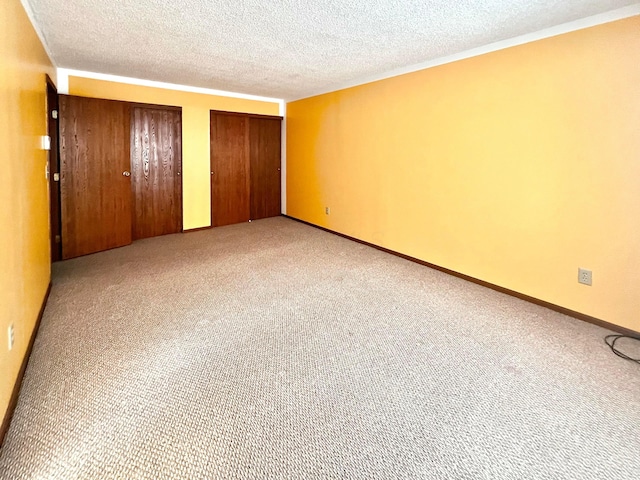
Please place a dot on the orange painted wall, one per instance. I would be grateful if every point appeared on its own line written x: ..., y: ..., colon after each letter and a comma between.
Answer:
x: 515, y: 167
x: 196, y: 188
x: 24, y: 205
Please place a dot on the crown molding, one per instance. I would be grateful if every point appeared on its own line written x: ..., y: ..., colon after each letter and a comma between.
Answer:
x: 65, y: 73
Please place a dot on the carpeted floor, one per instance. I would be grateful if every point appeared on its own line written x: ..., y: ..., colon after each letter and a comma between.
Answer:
x: 275, y: 350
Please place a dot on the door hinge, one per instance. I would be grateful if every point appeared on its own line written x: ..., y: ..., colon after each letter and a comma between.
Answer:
x: 54, y: 114
x: 56, y: 177
x: 57, y: 238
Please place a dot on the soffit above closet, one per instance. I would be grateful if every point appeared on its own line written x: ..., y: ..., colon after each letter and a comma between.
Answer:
x: 285, y: 49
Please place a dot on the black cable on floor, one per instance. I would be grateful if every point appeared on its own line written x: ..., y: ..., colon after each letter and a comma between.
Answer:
x: 611, y: 341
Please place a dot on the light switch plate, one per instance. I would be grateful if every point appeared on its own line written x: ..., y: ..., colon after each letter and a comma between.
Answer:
x: 10, y: 336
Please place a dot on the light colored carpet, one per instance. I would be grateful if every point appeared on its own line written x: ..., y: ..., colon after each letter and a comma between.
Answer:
x: 275, y: 350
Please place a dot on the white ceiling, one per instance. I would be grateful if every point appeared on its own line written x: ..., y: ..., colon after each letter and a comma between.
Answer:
x: 285, y: 49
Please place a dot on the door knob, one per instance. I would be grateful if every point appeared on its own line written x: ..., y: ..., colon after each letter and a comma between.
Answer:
x: 126, y: 174
x: 178, y: 173
x: 211, y: 173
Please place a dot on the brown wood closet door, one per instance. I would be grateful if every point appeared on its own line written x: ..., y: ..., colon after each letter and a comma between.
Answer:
x: 94, y: 162
x: 229, y: 169
x: 156, y: 169
x: 264, y: 145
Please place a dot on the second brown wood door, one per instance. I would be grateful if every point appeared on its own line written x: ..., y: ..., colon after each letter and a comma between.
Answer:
x: 264, y: 148
x: 245, y: 167
x: 156, y: 171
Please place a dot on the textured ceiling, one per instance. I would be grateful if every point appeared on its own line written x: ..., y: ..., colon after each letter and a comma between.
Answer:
x: 286, y: 49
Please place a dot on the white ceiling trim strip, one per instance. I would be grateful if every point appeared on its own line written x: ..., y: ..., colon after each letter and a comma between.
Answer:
x: 65, y: 73
x: 31, y: 16
x: 613, y: 15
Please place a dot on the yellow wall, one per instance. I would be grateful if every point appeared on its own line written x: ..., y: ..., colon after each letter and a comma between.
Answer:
x: 514, y: 167
x: 196, y: 188
x: 24, y: 204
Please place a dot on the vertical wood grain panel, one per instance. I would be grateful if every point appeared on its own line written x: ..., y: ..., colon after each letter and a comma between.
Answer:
x: 230, y: 169
x: 264, y: 141
x: 95, y: 196
x: 156, y: 167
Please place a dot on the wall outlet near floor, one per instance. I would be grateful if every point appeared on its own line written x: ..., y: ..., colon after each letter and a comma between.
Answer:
x: 327, y: 210
x: 584, y: 276
x: 10, y: 336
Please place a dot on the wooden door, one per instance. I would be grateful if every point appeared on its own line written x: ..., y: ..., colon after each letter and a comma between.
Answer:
x: 229, y: 169
x: 94, y: 164
x: 264, y: 146
x: 156, y: 169
x: 55, y: 229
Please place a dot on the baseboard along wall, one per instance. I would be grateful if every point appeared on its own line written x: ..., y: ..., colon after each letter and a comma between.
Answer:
x: 13, y: 401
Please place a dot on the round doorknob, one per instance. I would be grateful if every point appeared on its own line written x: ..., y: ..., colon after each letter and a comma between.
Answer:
x: 211, y: 173
x: 178, y: 173
x: 126, y: 174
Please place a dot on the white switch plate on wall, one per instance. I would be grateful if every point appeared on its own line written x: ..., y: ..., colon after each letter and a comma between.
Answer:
x: 45, y: 142
x: 10, y: 336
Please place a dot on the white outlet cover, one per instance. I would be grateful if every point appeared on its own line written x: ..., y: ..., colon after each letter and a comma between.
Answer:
x: 585, y: 276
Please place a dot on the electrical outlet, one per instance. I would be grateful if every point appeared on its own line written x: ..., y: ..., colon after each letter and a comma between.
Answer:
x: 327, y: 210
x: 10, y: 336
x: 584, y: 276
